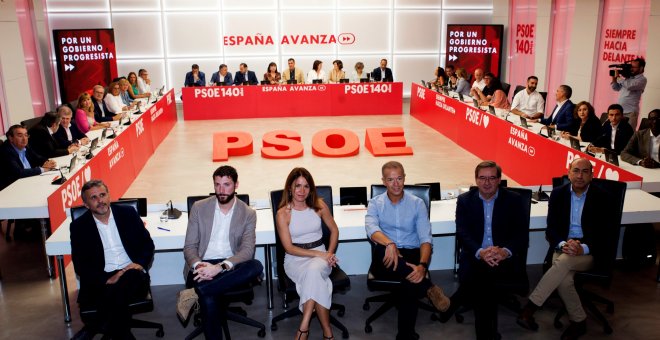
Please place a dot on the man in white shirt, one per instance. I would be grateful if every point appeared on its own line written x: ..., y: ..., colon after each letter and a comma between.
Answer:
x: 528, y: 103
x: 110, y: 249
x: 219, y: 247
x: 479, y: 81
x: 144, y: 83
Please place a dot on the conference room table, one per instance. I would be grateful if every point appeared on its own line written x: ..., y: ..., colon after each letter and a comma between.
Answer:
x: 132, y: 145
x: 295, y: 100
x: 169, y: 236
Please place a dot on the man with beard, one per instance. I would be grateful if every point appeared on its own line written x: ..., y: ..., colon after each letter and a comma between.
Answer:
x: 110, y: 248
x: 528, y: 103
x: 219, y: 247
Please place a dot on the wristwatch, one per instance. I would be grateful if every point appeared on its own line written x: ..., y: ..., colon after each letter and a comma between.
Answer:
x: 425, y: 265
x: 224, y: 266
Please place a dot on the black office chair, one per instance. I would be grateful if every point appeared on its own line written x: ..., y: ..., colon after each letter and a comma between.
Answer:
x: 521, y: 286
x: 353, y: 196
x: 88, y: 314
x: 141, y: 204
x: 603, y: 276
x: 434, y: 192
x: 30, y: 123
x: 544, y: 95
x: 243, y: 293
x: 392, y: 287
x: 644, y: 124
x: 506, y: 87
x: 340, y: 281
x: 518, y: 89
x: 603, y: 118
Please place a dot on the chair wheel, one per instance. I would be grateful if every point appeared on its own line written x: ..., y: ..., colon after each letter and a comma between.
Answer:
x: 344, y: 335
x: 558, y: 324
x: 610, y: 309
x: 368, y: 329
x: 459, y: 318
x: 273, y: 327
x: 366, y: 306
x: 160, y: 333
x: 607, y: 329
x: 261, y: 333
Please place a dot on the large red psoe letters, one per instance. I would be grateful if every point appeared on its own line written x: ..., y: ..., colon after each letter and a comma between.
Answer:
x: 329, y: 143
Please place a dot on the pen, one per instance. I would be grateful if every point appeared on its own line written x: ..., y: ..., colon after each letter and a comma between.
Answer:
x: 161, y: 228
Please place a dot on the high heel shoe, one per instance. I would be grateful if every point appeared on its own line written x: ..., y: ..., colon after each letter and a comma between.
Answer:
x: 303, y: 333
x: 332, y: 337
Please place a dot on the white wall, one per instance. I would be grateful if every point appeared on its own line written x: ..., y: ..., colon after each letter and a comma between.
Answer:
x: 168, y: 36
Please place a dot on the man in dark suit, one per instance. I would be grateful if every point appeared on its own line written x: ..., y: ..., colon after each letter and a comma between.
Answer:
x: 561, y: 117
x: 68, y: 133
x: 219, y: 247
x: 382, y: 73
x: 17, y: 160
x: 42, y: 140
x: 245, y: 75
x: 644, y: 146
x: 222, y: 76
x: 615, y: 125
x: 195, y: 77
x: 101, y: 111
x: 110, y: 249
x: 494, y: 236
x: 578, y: 217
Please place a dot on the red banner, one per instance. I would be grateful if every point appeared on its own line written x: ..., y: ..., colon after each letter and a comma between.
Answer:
x: 85, y: 58
x: 120, y: 160
x: 475, y: 46
x: 304, y: 100
x: 526, y: 157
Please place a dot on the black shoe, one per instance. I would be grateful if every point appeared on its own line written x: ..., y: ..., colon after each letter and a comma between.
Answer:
x: 83, y: 334
x: 526, y: 317
x: 574, y: 330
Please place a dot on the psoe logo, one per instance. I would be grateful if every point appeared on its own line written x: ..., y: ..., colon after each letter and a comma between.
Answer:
x: 421, y: 93
x: 476, y: 117
x: 139, y: 127
x: 346, y: 38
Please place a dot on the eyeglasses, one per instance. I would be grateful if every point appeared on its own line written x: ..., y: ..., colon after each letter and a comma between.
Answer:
x: 394, y: 179
x: 487, y: 179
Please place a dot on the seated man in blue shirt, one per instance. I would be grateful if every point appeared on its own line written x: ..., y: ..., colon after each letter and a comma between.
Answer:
x: 398, y: 223
x: 18, y: 160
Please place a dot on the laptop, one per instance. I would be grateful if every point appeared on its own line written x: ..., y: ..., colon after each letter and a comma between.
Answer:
x: 222, y: 83
x: 292, y: 81
x: 161, y: 91
x: 611, y: 157
x: 105, y: 132
x: 265, y: 82
x: 364, y: 80
x: 424, y: 83
x: 73, y: 163
x: 445, y: 91
x: 491, y: 109
x: 317, y: 81
x: 94, y: 144
x: 475, y: 102
x: 343, y: 81
x: 246, y: 83
x: 460, y: 97
x: 575, y: 143
x: 523, y: 122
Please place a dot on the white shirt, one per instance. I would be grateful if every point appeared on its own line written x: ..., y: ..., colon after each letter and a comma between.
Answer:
x: 312, y: 75
x: 355, y: 78
x: 559, y: 105
x: 219, y: 247
x: 479, y: 84
x: 67, y: 129
x: 655, y: 144
x: 529, y: 103
x: 143, y: 87
x: 114, y: 103
x: 114, y: 253
x: 613, y: 137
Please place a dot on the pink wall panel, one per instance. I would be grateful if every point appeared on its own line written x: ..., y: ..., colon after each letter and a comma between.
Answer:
x: 561, y: 28
x: 522, y: 42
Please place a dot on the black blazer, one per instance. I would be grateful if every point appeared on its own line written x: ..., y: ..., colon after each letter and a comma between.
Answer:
x: 597, y: 215
x: 43, y: 143
x: 510, y: 230
x: 623, y: 134
x: 62, y: 138
x: 590, y: 131
x: 87, y: 248
x: 98, y: 114
x: 11, y: 167
x: 239, y: 78
x: 375, y: 74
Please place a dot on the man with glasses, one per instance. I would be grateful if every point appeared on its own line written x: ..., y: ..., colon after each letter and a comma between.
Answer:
x: 101, y: 111
x: 644, y: 146
x: 397, y: 222
x: 17, y: 160
x: 68, y: 133
x: 42, y: 139
x: 630, y: 89
x: 144, y: 83
x: 577, y: 212
x: 494, y: 237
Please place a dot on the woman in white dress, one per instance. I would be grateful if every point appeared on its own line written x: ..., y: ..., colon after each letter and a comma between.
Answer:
x: 316, y: 73
x: 307, y: 262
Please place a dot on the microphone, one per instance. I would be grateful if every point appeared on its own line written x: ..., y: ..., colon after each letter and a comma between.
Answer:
x: 540, y: 195
x: 172, y: 212
x: 60, y: 180
x: 129, y: 121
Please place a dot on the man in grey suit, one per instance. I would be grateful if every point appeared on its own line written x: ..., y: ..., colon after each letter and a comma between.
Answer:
x: 644, y: 146
x: 219, y: 247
